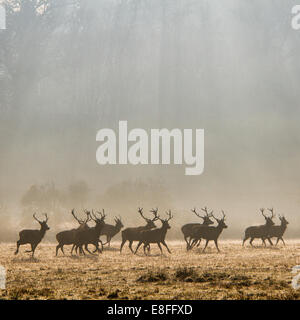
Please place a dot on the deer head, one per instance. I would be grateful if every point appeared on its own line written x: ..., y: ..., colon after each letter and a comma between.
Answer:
x: 221, y: 222
x: 269, y: 220
x: 283, y: 220
x: 150, y: 223
x: 98, y: 219
x: 206, y: 219
x: 43, y: 224
x: 165, y: 222
x: 118, y: 222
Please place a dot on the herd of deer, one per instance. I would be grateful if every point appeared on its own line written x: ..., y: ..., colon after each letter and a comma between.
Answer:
x: 85, y: 235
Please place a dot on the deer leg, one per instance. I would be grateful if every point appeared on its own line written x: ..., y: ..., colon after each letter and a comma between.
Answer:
x: 18, y: 245
x: 108, y: 238
x: 245, y: 238
x: 271, y: 243
x: 264, y: 242
x: 198, y: 244
x: 145, y: 246
x: 130, y: 246
x: 57, y: 247
x: 193, y: 243
x: 33, y: 247
x: 87, y: 249
x: 137, y: 247
x: 122, y: 244
x: 185, y: 239
x: 205, y: 245
x: 74, y: 245
x: 100, y: 250
x: 216, y: 243
x: 161, y: 252
x: 251, y: 240
x: 164, y: 243
x: 282, y: 241
x: 81, y: 251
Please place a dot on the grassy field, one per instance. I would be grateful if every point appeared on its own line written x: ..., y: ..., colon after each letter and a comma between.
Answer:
x: 235, y: 273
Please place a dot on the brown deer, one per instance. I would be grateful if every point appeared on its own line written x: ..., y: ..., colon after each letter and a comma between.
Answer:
x: 132, y: 234
x: 278, y: 231
x: 262, y: 231
x: 110, y: 231
x: 157, y: 235
x: 90, y: 235
x: 187, y: 228
x: 67, y: 237
x: 209, y: 233
x: 33, y: 237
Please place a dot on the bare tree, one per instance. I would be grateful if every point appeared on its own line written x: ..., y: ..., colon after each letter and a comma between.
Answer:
x: 262, y: 231
x: 187, y: 228
x: 33, y: 237
x: 132, y: 234
x: 156, y: 235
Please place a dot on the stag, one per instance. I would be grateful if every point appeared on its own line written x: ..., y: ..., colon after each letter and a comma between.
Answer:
x: 90, y: 235
x: 187, y: 228
x: 33, y: 237
x: 278, y: 231
x: 208, y: 232
x: 110, y: 230
x: 156, y: 235
x: 262, y: 231
x: 132, y: 234
x: 67, y: 237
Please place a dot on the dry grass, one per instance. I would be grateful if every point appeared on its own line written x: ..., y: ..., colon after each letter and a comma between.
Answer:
x: 235, y: 273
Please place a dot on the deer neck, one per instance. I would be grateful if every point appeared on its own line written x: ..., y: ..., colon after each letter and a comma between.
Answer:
x: 42, y: 232
x: 164, y: 230
x: 98, y: 227
x: 283, y: 226
x: 219, y: 228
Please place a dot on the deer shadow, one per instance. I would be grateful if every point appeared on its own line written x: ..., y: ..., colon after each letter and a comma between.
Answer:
x: 22, y: 260
x: 111, y: 249
x: 257, y: 247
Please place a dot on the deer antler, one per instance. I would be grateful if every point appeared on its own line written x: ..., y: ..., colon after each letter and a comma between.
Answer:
x: 224, y: 215
x: 46, y: 217
x: 262, y: 212
x: 34, y: 216
x: 205, y: 210
x: 271, y: 210
x: 140, y: 210
x: 169, y: 215
x: 156, y: 216
x: 88, y: 217
x: 78, y: 220
x: 196, y: 213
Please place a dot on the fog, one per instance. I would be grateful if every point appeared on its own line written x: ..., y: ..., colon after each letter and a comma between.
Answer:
x: 70, y: 68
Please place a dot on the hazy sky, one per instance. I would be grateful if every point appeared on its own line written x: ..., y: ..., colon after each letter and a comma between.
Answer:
x: 229, y: 67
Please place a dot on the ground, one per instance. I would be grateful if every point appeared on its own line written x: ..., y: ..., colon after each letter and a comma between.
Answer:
x: 235, y: 273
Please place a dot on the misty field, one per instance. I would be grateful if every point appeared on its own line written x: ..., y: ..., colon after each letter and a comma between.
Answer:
x: 235, y: 273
